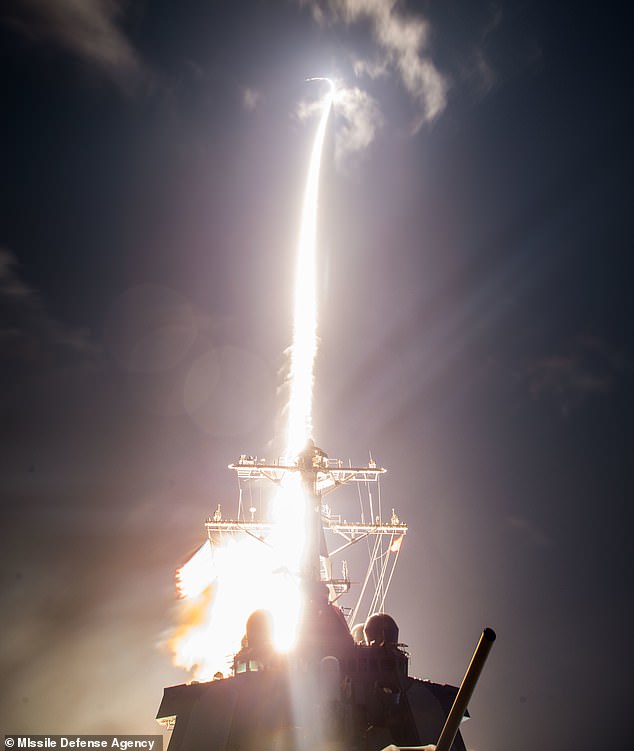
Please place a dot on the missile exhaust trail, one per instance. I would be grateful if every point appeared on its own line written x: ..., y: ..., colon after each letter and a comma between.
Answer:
x: 241, y: 579
x: 304, y: 346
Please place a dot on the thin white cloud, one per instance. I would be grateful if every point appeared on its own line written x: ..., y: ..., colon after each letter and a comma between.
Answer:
x: 251, y: 98
x: 360, y: 120
x: 480, y: 72
x: 11, y: 288
x: 403, y: 41
x: 29, y: 335
x: 86, y: 28
x: 13, y: 291
x: 308, y: 108
x: 370, y: 68
x: 586, y: 367
x: 473, y: 65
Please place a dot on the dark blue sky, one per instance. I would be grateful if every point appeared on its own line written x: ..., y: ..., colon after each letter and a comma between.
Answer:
x: 475, y: 322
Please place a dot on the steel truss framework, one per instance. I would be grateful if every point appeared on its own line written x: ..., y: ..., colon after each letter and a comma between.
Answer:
x: 328, y: 475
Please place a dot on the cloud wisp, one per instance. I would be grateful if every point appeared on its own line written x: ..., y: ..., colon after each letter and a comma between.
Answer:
x: 359, y: 119
x: 87, y: 29
x: 251, y: 98
x: 28, y: 333
x: 588, y: 367
x: 403, y: 43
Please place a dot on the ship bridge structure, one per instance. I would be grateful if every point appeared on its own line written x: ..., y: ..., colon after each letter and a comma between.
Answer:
x: 342, y: 687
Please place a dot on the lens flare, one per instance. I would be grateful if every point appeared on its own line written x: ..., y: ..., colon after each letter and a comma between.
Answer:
x: 225, y: 581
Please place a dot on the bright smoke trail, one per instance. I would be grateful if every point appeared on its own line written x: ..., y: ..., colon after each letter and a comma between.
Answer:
x: 304, y: 346
x: 290, y: 508
x: 223, y: 584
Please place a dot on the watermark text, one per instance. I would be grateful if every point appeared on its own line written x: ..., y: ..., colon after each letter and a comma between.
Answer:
x: 86, y: 742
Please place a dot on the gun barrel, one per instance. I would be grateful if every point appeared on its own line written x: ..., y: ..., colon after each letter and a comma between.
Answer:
x: 454, y: 718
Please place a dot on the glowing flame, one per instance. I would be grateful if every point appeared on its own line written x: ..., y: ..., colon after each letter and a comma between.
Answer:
x: 195, y: 576
x: 396, y: 545
x: 221, y: 588
x: 221, y: 585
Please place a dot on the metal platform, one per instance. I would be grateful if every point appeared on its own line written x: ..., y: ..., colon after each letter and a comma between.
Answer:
x: 253, y: 468
x: 351, y: 532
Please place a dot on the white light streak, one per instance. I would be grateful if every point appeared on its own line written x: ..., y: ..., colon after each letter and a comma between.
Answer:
x: 223, y: 584
x: 304, y: 347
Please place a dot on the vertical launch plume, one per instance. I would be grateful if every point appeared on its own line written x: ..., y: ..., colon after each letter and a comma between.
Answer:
x: 223, y: 583
x: 304, y: 346
x: 289, y: 512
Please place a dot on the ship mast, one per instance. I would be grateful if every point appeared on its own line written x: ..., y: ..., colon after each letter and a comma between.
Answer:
x: 319, y: 477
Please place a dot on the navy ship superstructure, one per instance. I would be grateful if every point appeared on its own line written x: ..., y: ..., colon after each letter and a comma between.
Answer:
x: 342, y: 686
